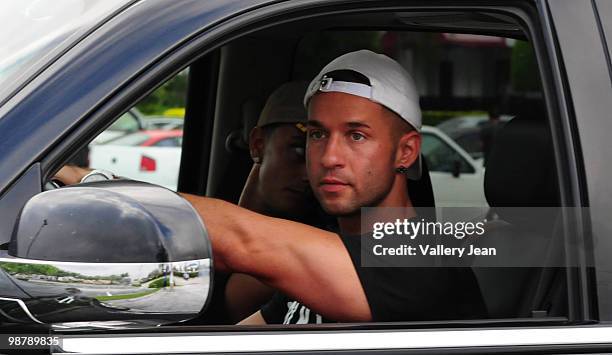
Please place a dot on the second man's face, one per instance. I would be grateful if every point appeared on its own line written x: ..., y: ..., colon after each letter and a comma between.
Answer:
x: 283, y: 180
x: 350, y: 152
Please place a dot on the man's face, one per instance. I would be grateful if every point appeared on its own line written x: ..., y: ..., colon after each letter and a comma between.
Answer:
x: 283, y: 184
x: 350, y: 152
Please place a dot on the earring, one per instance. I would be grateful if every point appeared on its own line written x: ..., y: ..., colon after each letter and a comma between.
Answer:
x: 401, y: 170
x: 256, y: 160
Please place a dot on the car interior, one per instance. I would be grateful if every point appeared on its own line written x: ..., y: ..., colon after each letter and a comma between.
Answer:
x: 463, y: 63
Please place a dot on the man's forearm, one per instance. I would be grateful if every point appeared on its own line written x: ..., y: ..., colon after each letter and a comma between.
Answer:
x: 70, y: 174
x: 227, y: 229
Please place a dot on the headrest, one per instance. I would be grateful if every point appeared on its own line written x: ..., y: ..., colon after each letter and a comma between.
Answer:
x: 520, y: 169
x: 421, y: 191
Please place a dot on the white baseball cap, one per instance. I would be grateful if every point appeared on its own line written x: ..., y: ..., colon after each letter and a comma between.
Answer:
x: 385, y: 82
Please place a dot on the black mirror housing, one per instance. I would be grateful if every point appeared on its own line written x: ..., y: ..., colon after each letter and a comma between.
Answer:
x: 104, y: 252
x: 109, y: 222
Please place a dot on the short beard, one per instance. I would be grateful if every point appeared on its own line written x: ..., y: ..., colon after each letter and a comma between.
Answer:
x: 373, y: 202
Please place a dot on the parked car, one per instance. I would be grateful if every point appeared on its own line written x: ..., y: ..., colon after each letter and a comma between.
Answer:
x: 456, y: 177
x: 459, y: 123
x: 80, y: 64
x: 150, y: 155
x: 160, y: 122
x: 150, y: 138
x: 129, y: 122
x: 466, y: 131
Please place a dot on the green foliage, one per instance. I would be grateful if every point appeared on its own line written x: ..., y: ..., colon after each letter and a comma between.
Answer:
x: 160, y: 282
x: 126, y: 296
x: 50, y: 270
x: 170, y: 94
x: 523, y: 68
x: 34, y: 269
x: 433, y: 118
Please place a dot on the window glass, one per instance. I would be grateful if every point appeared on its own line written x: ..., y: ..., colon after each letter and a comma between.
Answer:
x: 122, y: 147
x: 128, y: 122
x: 133, y: 139
x: 441, y: 157
x: 469, y: 87
x: 168, y: 142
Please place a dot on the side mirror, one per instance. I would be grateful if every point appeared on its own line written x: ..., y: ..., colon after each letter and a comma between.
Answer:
x: 106, y: 251
x: 456, y: 168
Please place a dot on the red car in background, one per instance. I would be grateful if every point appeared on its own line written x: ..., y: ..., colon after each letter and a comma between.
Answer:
x: 150, y: 138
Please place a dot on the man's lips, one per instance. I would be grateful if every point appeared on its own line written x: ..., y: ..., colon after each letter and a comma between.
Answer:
x: 332, y: 185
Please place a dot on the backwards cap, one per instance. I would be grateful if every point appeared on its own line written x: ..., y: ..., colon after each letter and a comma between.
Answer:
x: 387, y: 83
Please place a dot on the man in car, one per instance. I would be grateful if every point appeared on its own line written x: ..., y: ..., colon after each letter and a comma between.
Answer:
x: 363, y: 140
x: 277, y: 185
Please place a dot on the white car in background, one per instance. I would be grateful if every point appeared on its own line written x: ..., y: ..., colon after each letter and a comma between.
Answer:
x: 162, y: 122
x: 466, y: 132
x: 150, y: 155
x: 457, y: 178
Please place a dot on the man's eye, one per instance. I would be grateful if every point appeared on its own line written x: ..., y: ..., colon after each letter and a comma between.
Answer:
x: 315, y: 135
x: 357, y: 136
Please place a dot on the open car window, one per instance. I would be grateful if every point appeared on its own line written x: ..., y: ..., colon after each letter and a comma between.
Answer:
x: 482, y: 101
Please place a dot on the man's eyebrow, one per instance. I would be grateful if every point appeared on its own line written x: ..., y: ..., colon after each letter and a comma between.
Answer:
x: 314, y: 123
x: 358, y: 124
x: 352, y: 124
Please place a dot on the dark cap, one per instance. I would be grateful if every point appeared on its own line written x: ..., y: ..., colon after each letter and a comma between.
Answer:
x: 285, y: 105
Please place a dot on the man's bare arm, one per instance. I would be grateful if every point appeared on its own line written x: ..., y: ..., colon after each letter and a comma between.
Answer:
x: 71, y: 174
x: 307, y: 264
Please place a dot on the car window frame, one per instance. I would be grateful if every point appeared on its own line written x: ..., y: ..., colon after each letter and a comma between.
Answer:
x: 575, y: 73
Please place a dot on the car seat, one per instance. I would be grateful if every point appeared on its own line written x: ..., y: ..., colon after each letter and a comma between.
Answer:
x: 521, y: 173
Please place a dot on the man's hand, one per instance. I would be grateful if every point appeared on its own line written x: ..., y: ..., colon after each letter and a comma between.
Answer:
x: 254, y: 319
x: 70, y: 174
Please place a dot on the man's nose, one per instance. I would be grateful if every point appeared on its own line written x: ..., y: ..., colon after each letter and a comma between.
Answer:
x: 332, y: 153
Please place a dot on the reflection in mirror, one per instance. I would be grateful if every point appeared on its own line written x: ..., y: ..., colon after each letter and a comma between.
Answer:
x: 63, y: 292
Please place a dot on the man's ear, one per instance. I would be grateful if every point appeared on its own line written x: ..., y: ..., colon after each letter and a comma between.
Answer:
x: 256, y: 144
x: 408, y: 149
